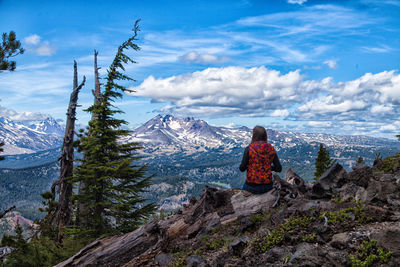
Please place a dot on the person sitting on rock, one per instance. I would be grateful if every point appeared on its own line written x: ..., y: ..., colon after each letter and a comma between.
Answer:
x: 259, y: 159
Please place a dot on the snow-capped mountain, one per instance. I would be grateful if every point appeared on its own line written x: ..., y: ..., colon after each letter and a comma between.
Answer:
x: 193, y: 135
x: 30, y: 136
x: 48, y: 126
x: 169, y: 133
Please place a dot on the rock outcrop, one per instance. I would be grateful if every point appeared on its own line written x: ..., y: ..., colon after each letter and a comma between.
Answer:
x: 338, y: 221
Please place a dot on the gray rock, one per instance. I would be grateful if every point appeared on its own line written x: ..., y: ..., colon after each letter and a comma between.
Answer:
x: 195, y: 261
x: 237, y: 246
x: 277, y: 254
x: 360, y: 175
x: 389, y: 239
x: 163, y: 259
x: 294, y: 179
x: 246, y: 223
x: 335, y: 177
x: 351, y: 191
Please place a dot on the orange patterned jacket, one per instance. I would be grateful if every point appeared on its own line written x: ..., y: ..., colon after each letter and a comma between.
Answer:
x: 261, y: 156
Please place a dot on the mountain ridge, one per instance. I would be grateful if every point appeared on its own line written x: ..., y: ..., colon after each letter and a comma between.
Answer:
x: 30, y: 136
x: 171, y: 132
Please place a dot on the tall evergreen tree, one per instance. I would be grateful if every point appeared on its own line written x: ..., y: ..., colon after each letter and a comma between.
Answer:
x: 323, y: 162
x: 114, y: 184
x: 9, y: 47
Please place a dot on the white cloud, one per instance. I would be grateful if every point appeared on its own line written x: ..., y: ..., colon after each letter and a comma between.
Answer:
x: 319, y: 124
x: 381, y: 49
x: 361, y: 106
x: 299, y: 2
x: 194, y: 57
x: 329, y: 105
x: 388, y: 128
x: 332, y: 64
x: 42, y: 48
x: 32, y: 39
x: 45, y: 49
x: 379, y: 109
x: 21, y: 116
x: 372, y: 97
x: 227, y: 91
x: 280, y: 113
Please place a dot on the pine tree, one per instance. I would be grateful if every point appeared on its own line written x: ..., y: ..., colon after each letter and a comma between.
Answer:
x: 360, y: 160
x: 323, y: 162
x: 114, y: 185
x: 9, y: 47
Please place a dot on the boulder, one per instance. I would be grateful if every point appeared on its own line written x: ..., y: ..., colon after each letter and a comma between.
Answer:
x: 316, y: 255
x: 334, y: 177
x: 360, y: 175
x: 195, y: 261
x: 352, y: 191
x: 294, y: 179
x: 163, y: 259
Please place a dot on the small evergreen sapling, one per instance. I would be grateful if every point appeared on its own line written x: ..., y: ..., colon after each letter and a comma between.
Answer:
x: 323, y: 162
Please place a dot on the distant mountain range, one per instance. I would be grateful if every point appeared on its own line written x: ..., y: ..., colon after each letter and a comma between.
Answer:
x: 183, y: 154
x: 30, y: 136
x: 167, y: 134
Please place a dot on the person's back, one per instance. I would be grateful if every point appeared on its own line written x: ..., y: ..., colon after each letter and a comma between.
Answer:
x: 259, y: 159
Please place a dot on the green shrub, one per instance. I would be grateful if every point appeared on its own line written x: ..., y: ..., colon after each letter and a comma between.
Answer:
x: 368, y: 253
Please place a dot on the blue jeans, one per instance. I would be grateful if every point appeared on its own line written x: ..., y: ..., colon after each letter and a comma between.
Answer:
x: 257, y: 188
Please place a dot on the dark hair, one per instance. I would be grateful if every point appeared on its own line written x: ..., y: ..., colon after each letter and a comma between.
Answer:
x: 259, y: 134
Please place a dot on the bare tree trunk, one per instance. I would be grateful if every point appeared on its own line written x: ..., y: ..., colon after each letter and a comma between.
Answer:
x: 63, y: 213
x: 82, y: 208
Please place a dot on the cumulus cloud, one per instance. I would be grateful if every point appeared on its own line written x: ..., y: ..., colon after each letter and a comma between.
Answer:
x: 364, y: 105
x: 194, y: 57
x: 280, y: 113
x: 32, y: 39
x: 372, y: 97
x: 45, y: 49
x: 21, y: 116
x: 228, y: 91
x: 331, y: 63
x: 34, y: 44
x: 299, y: 2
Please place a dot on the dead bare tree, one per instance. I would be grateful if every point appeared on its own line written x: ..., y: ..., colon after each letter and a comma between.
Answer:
x: 63, y: 213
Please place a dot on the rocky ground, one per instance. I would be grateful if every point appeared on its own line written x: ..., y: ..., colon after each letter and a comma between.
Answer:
x: 344, y: 219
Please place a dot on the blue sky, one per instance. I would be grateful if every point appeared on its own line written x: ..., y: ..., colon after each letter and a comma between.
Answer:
x: 295, y: 65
